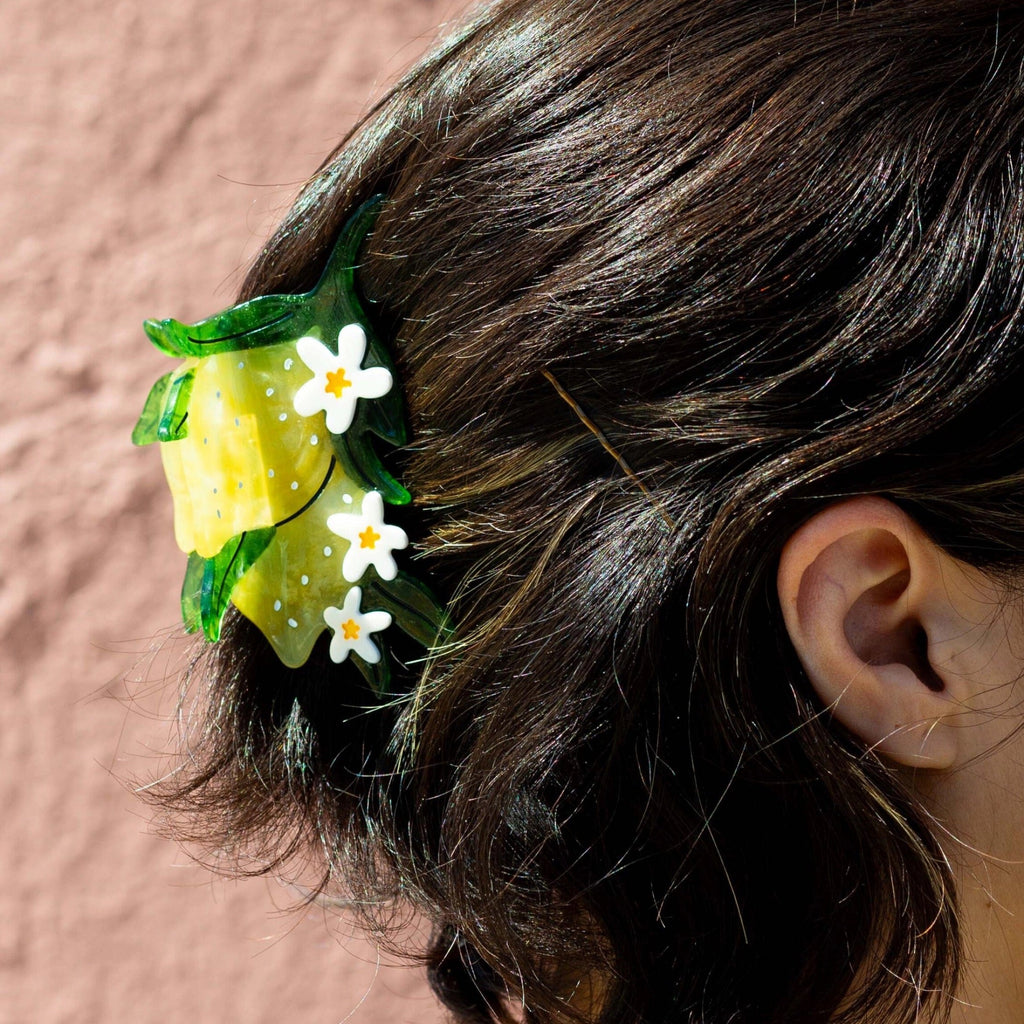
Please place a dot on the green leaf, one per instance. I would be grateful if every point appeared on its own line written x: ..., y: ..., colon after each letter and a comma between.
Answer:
x: 209, y: 581
x: 266, y: 320
x: 377, y: 676
x: 147, y: 427
x: 174, y: 422
x: 354, y: 450
x: 411, y: 604
x: 192, y: 593
x: 335, y: 298
x: 385, y: 416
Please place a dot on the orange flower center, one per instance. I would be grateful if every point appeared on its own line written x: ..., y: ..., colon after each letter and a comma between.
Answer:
x: 336, y: 382
x: 368, y: 538
x: 350, y: 629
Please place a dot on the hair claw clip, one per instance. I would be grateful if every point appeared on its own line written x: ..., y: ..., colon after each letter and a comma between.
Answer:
x: 266, y: 432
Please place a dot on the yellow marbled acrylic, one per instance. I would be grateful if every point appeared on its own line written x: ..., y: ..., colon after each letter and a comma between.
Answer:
x: 299, y: 575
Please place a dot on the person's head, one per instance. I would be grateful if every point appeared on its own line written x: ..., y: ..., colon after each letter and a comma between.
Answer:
x: 709, y: 322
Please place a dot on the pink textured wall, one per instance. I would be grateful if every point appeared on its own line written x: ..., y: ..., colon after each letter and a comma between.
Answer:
x: 147, y: 149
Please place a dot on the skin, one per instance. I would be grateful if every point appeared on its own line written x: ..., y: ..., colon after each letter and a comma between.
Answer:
x: 920, y: 656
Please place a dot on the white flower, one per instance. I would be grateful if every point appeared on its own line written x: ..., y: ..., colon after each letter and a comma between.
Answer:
x: 338, y: 380
x: 352, y: 629
x: 370, y: 539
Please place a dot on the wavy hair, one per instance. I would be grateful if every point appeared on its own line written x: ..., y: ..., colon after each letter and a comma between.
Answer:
x: 663, y: 278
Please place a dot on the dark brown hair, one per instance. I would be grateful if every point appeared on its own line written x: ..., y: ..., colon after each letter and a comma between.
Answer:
x: 773, y: 252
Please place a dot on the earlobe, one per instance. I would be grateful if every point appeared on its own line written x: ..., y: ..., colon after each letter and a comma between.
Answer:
x: 865, y: 598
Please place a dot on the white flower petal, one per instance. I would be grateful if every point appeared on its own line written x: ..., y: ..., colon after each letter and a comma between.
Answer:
x: 339, y: 411
x: 385, y: 565
x: 376, y: 621
x: 367, y: 650
x: 374, y: 382
x: 351, y: 345
x: 309, y: 399
x: 395, y: 536
x: 355, y: 563
x: 350, y: 605
x: 337, y: 523
x: 373, y: 507
x: 315, y: 354
x: 339, y: 648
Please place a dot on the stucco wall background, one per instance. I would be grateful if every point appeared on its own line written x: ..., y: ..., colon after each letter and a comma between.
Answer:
x: 147, y: 149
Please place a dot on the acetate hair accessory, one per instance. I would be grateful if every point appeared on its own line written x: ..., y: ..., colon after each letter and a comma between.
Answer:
x: 266, y: 434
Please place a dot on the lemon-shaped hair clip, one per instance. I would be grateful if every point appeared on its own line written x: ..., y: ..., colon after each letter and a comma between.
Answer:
x: 280, y: 499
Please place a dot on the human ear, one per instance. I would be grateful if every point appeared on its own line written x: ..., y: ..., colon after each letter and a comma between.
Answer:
x: 872, y: 611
